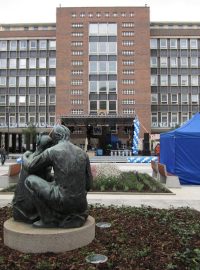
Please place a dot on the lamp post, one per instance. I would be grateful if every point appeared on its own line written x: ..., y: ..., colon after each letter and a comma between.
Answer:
x: 8, y: 125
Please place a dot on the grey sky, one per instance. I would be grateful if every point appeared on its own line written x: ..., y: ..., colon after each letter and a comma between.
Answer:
x: 30, y: 11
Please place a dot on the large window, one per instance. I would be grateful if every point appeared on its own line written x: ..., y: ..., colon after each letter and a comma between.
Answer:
x: 22, y: 63
x: 184, y: 98
x: 52, y: 81
x: 154, y: 80
x: 193, y: 44
x: 12, y: 81
x: 173, y: 62
x: 163, y: 61
x: 3, y: 45
x: 163, y: 43
x: 104, y: 29
x: 2, y: 81
x: 42, y: 62
x: 32, y: 62
x: 22, y: 81
x: 13, y: 63
x: 3, y: 63
x: 194, y: 80
x: 164, y: 80
x: 154, y: 98
x: 184, y: 80
x: 32, y: 81
x: 173, y: 43
x: 174, y: 80
x: 153, y: 43
x: 13, y: 45
x: 23, y: 44
x: 43, y: 44
x: 183, y: 43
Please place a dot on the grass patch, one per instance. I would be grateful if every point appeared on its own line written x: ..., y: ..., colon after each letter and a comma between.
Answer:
x: 129, y: 182
x: 139, y: 238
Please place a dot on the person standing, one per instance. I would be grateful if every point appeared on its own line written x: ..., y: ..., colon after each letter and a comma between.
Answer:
x: 157, y: 151
x: 3, y: 154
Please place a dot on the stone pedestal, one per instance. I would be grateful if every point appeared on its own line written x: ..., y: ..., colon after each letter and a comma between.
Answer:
x: 28, y: 239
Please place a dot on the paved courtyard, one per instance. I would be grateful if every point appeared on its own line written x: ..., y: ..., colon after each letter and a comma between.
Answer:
x: 186, y: 196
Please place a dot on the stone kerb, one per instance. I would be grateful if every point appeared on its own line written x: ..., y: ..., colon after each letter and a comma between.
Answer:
x: 25, y: 238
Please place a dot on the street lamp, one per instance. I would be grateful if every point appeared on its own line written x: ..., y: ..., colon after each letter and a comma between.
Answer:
x: 8, y: 125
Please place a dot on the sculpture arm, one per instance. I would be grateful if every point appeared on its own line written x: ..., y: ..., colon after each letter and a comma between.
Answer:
x: 89, y: 177
x: 38, y: 162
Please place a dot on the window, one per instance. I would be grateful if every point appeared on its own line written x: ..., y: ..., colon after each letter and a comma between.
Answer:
x: 42, y: 119
x: 52, y: 81
x: 77, y: 34
x: 184, y: 80
x: 164, y: 120
x: 3, y: 45
x: 112, y: 86
x: 128, y: 101
x: 128, y: 63
x: 102, y: 105
x: 154, y: 98
x: 112, y: 106
x: 52, y: 99
x: 93, y: 105
x: 174, y: 98
x: 154, y: 80
x: 93, y: 29
x: 22, y: 81
x: 127, y: 42
x: 2, y: 120
x: 32, y: 81
x: 195, y: 98
x: 32, y: 99
x: 13, y: 45
x: 154, y: 120
x: 12, y: 81
x: 194, y: 80
x: 128, y: 92
x: 93, y: 67
x: 77, y: 72
x: 76, y: 92
x: 193, y: 44
x: 102, y: 47
x: 42, y: 99
x: 184, y: 117
x: 164, y: 80
x: 153, y: 61
x: 128, y: 71
x: 174, y: 119
x: 42, y: 62
x: 128, y: 111
x: 194, y: 62
x: 52, y: 44
x: 163, y: 61
x: 42, y: 44
x: 23, y: 44
x: 164, y: 98
x: 128, y: 33
x: 77, y: 52
x: 52, y: 62
x: 163, y: 43
x: 12, y: 100
x: 184, y: 98
x: 173, y: 62
x: 12, y: 119
x: 77, y: 63
x: 22, y: 119
x: 42, y: 81
x: 102, y: 67
x: 2, y: 81
x: 93, y: 47
x: 184, y: 62
x: 77, y: 111
x: 22, y: 63
x: 3, y: 63
x: 2, y: 100
x: 76, y: 101
x: 76, y: 82
x: 174, y: 80
x: 12, y: 63
x: 112, y: 67
x: 22, y: 100
x: 127, y: 53
x: 102, y: 87
x: 32, y: 62
x: 32, y: 118
x: 51, y: 119
x: 93, y: 86
x: 128, y: 81
x: 183, y: 43
x: 33, y: 44
x: 173, y: 43
x: 153, y: 43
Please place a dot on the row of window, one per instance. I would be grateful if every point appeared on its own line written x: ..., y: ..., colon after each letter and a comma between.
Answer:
x: 105, y: 14
x: 24, y: 63
x: 182, y: 43
x: 103, y: 67
x: 168, y: 119
x: 103, y: 48
x: 30, y: 100
x: 175, y: 98
x: 31, y: 81
x: 175, y: 80
x: 103, y: 86
x: 22, y: 119
x: 105, y: 105
x: 174, y: 62
x: 14, y: 45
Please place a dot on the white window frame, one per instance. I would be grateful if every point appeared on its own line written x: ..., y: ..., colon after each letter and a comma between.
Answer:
x: 163, y: 80
x: 184, y: 80
x: 184, y: 98
x: 174, y: 80
x: 164, y: 98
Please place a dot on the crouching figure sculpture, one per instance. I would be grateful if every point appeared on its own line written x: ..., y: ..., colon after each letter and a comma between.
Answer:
x: 58, y: 200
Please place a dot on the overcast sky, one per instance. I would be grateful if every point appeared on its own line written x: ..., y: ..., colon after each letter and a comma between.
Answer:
x: 30, y: 11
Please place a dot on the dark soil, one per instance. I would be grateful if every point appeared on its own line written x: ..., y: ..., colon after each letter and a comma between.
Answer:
x: 139, y: 238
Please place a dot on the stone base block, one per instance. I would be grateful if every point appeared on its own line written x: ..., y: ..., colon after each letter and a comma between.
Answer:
x: 28, y: 239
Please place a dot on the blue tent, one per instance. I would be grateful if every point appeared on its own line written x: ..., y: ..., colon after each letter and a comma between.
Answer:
x: 180, y: 151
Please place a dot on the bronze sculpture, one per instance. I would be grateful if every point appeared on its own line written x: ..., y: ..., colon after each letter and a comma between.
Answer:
x: 61, y: 202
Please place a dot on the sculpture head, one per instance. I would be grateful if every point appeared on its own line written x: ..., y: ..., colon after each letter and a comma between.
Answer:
x: 60, y: 132
x: 44, y: 141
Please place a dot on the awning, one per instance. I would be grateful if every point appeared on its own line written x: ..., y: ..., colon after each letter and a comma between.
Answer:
x: 93, y: 120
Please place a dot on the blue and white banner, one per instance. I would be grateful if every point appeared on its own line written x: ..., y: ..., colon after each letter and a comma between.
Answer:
x: 141, y: 159
x: 136, y: 132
